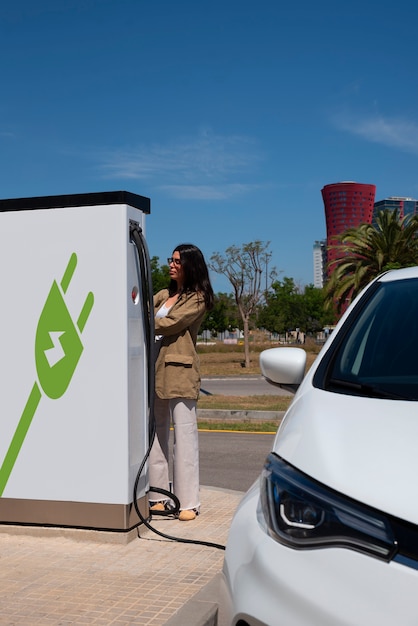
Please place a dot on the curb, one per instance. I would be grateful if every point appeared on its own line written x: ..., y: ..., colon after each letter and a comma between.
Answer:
x: 240, y: 416
x: 201, y: 609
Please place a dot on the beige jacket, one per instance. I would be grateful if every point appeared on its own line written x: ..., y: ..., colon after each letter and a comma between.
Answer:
x: 177, y: 373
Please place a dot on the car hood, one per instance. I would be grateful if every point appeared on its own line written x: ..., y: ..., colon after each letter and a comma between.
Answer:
x: 365, y: 448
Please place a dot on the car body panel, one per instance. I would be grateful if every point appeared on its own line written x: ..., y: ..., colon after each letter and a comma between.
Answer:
x: 269, y: 583
x: 357, y: 438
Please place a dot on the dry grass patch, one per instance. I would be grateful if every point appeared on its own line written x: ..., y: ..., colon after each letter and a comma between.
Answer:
x: 228, y: 360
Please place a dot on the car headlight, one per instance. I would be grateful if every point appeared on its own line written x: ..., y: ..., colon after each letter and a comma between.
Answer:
x: 303, y: 513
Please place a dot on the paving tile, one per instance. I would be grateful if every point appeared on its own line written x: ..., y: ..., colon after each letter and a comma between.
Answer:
x: 60, y: 580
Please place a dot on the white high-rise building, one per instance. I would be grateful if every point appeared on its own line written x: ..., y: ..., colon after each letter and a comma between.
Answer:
x: 319, y: 263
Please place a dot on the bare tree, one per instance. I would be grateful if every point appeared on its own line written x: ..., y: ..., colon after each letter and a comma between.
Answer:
x: 245, y: 267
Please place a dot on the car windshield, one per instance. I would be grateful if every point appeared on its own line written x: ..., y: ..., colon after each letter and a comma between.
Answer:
x: 378, y: 354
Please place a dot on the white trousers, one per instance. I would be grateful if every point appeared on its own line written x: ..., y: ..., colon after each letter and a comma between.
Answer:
x: 182, y: 413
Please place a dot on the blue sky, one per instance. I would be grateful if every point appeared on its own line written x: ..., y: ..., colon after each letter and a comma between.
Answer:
x: 230, y: 115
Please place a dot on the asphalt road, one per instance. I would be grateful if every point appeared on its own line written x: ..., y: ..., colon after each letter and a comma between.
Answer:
x: 241, y: 386
x: 232, y: 460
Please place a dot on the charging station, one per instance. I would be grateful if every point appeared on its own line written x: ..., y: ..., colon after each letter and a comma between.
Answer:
x: 74, y: 362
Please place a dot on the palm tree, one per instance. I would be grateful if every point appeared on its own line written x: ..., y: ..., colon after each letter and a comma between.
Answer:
x: 370, y: 249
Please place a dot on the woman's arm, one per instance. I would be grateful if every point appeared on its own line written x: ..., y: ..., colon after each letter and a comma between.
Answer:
x: 181, y: 315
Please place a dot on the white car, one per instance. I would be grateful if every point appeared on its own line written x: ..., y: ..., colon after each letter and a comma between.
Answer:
x: 328, y: 535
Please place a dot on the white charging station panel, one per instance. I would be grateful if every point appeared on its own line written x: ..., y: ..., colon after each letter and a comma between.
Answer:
x: 73, y: 407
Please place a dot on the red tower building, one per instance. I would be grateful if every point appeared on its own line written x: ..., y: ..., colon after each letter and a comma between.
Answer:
x: 347, y: 205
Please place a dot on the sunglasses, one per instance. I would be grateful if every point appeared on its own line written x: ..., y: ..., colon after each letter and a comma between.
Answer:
x: 170, y: 260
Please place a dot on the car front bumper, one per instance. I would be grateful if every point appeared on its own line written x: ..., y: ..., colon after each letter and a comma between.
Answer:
x: 267, y: 583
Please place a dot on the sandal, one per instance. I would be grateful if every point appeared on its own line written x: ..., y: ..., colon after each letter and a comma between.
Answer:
x: 186, y: 515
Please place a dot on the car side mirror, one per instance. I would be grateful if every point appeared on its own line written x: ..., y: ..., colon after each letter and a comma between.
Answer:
x: 284, y: 367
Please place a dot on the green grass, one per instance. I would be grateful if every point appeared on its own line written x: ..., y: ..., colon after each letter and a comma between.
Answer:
x: 244, y: 403
x: 247, y: 426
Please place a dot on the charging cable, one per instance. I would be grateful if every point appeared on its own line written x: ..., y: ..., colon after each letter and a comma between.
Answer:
x: 147, y: 296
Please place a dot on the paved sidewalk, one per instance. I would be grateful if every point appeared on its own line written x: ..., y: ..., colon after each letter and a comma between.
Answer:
x: 57, y: 577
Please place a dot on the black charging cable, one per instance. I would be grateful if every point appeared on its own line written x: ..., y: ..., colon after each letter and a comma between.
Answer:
x: 147, y: 297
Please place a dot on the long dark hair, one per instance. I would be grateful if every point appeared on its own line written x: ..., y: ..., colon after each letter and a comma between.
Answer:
x: 195, y: 271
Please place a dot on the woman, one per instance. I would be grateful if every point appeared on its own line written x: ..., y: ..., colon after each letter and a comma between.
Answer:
x: 179, y: 311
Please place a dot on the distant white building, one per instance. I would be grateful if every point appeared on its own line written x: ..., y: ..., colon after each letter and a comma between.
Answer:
x: 319, y: 263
